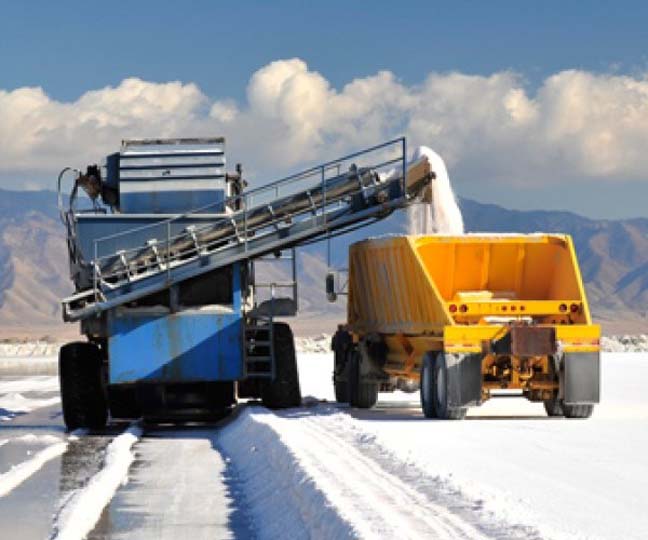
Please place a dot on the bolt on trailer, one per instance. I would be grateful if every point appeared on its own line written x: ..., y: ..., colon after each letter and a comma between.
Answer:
x: 167, y: 262
x: 463, y: 318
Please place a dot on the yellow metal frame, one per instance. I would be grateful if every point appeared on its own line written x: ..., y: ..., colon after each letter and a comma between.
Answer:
x: 433, y: 293
x: 513, y: 308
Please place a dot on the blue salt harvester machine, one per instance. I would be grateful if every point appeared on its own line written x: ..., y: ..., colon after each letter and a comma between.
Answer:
x: 168, y: 262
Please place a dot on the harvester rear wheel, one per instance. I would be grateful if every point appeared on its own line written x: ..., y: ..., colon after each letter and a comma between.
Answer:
x: 554, y: 407
x: 427, y: 386
x: 284, y: 390
x: 440, y: 392
x: 83, y: 396
x: 578, y: 411
x: 362, y: 394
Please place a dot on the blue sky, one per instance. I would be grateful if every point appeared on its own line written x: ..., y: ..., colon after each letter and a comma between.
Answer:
x: 70, y: 48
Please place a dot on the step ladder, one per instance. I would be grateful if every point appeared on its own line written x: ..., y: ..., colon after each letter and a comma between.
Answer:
x: 259, y: 349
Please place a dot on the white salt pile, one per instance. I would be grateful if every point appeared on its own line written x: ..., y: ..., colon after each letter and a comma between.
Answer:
x: 638, y: 343
x: 28, y: 348
x: 317, y: 344
x: 442, y: 215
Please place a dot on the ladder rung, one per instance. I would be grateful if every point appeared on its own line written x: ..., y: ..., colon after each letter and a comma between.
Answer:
x: 257, y: 329
x: 260, y: 343
x: 254, y: 359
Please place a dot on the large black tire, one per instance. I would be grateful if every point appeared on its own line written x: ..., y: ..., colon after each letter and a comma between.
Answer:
x: 284, y: 390
x: 427, y: 386
x: 554, y: 407
x: 341, y: 343
x: 440, y: 392
x: 341, y: 371
x: 362, y: 394
x: 578, y: 411
x: 341, y: 391
x: 82, y: 393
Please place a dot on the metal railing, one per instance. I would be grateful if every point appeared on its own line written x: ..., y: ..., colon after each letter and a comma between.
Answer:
x: 249, y: 215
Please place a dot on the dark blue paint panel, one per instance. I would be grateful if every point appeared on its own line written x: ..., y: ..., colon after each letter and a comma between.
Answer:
x: 180, y: 347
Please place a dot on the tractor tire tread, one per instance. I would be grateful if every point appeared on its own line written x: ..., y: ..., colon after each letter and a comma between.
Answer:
x: 583, y: 410
x: 82, y: 394
x: 362, y: 395
x: 284, y: 391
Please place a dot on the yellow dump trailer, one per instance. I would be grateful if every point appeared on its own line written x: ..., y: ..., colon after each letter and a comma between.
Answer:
x: 463, y: 317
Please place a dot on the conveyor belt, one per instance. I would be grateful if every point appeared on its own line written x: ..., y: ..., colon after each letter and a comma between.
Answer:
x: 342, y: 201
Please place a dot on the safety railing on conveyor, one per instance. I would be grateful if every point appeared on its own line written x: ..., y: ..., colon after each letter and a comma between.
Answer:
x: 335, y: 196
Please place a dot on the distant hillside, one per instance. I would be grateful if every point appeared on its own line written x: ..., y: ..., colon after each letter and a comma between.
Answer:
x: 34, y: 272
x: 613, y: 255
x: 33, y: 264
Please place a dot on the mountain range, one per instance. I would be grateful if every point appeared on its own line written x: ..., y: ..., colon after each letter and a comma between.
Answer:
x: 613, y: 255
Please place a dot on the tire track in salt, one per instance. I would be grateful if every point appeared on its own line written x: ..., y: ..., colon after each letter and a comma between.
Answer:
x: 432, y: 492
x: 378, y: 502
x: 15, y: 476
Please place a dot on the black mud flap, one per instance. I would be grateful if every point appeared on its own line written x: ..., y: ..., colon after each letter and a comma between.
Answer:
x: 582, y: 378
x: 464, y: 379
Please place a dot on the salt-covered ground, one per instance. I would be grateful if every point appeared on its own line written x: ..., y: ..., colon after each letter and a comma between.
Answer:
x: 40, y: 464
x: 638, y: 343
x: 628, y: 343
x: 327, y: 471
x: 507, y: 471
x: 14, y: 355
x: 25, y: 394
x: 29, y: 349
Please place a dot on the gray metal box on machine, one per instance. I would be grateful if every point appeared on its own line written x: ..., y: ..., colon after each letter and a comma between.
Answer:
x: 169, y: 176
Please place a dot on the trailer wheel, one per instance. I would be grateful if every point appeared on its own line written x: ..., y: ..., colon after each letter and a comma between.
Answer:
x: 427, y: 386
x: 362, y: 395
x: 440, y: 392
x: 341, y: 392
x: 82, y: 393
x: 284, y: 390
x: 341, y: 343
x: 578, y: 411
x: 341, y: 370
x: 554, y: 407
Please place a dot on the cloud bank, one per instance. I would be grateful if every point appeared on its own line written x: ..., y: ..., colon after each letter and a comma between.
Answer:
x: 575, y: 125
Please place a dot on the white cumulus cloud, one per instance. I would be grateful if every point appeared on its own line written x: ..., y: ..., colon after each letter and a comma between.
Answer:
x: 576, y: 124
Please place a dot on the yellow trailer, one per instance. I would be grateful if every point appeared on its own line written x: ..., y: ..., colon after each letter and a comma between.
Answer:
x: 462, y: 317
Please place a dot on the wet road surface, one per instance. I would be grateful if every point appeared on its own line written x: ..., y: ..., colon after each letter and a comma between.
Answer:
x: 179, y: 484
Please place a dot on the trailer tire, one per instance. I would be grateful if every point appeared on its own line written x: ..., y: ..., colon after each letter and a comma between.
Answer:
x: 341, y: 343
x: 554, y: 407
x: 283, y: 391
x: 362, y: 395
x: 83, y: 396
x: 427, y: 386
x: 341, y: 392
x: 583, y: 410
x: 440, y: 392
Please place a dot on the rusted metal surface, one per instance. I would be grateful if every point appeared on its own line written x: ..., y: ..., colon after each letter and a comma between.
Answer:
x: 527, y: 341
x: 533, y: 341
